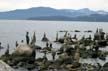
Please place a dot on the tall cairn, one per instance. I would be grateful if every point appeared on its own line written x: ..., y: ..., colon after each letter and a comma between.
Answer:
x: 7, y: 51
x: 27, y: 38
x: 65, y: 38
x: 77, y: 54
x: 33, y: 41
x: 56, y: 36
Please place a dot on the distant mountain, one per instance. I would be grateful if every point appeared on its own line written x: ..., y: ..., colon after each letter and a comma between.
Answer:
x: 32, y: 12
x: 57, y: 18
x: 102, y: 12
x: 90, y: 18
x: 47, y: 13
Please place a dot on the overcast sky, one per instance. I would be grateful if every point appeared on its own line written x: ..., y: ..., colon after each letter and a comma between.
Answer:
x: 6, y: 5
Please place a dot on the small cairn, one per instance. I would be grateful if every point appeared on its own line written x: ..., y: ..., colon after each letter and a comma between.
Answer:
x: 45, y: 38
x: 27, y: 38
x: 57, y: 39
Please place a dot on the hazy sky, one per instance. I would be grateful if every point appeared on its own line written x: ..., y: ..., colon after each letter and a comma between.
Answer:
x: 6, y: 5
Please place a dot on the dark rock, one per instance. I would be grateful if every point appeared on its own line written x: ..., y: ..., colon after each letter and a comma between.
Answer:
x: 45, y: 38
x: 77, y: 30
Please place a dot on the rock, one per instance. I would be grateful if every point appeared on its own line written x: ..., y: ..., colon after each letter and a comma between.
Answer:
x: 77, y: 31
x: 102, y: 43
x: 20, y: 64
x: 88, y: 67
x: 61, y: 40
x: 45, y: 38
x: 73, y: 66
x: 105, y: 65
x: 36, y: 47
x: 5, y: 67
x: 23, y: 53
x: 47, y: 49
x: 102, y: 57
x: 88, y: 31
x: 24, y: 50
x: 30, y: 66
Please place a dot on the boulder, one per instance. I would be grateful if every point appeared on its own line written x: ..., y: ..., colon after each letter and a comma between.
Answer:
x: 24, y: 50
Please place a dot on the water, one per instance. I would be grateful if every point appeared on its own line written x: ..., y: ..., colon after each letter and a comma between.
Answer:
x: 15, y: 30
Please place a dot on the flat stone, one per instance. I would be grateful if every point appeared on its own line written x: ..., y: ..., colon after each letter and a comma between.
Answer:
x: 5, y: 67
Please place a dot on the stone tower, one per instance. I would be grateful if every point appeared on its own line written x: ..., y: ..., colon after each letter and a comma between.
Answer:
x: 77, y: 54
x: 57, y: 36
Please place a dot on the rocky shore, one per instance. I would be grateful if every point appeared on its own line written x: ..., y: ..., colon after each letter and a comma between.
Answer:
x: 65, y: 58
